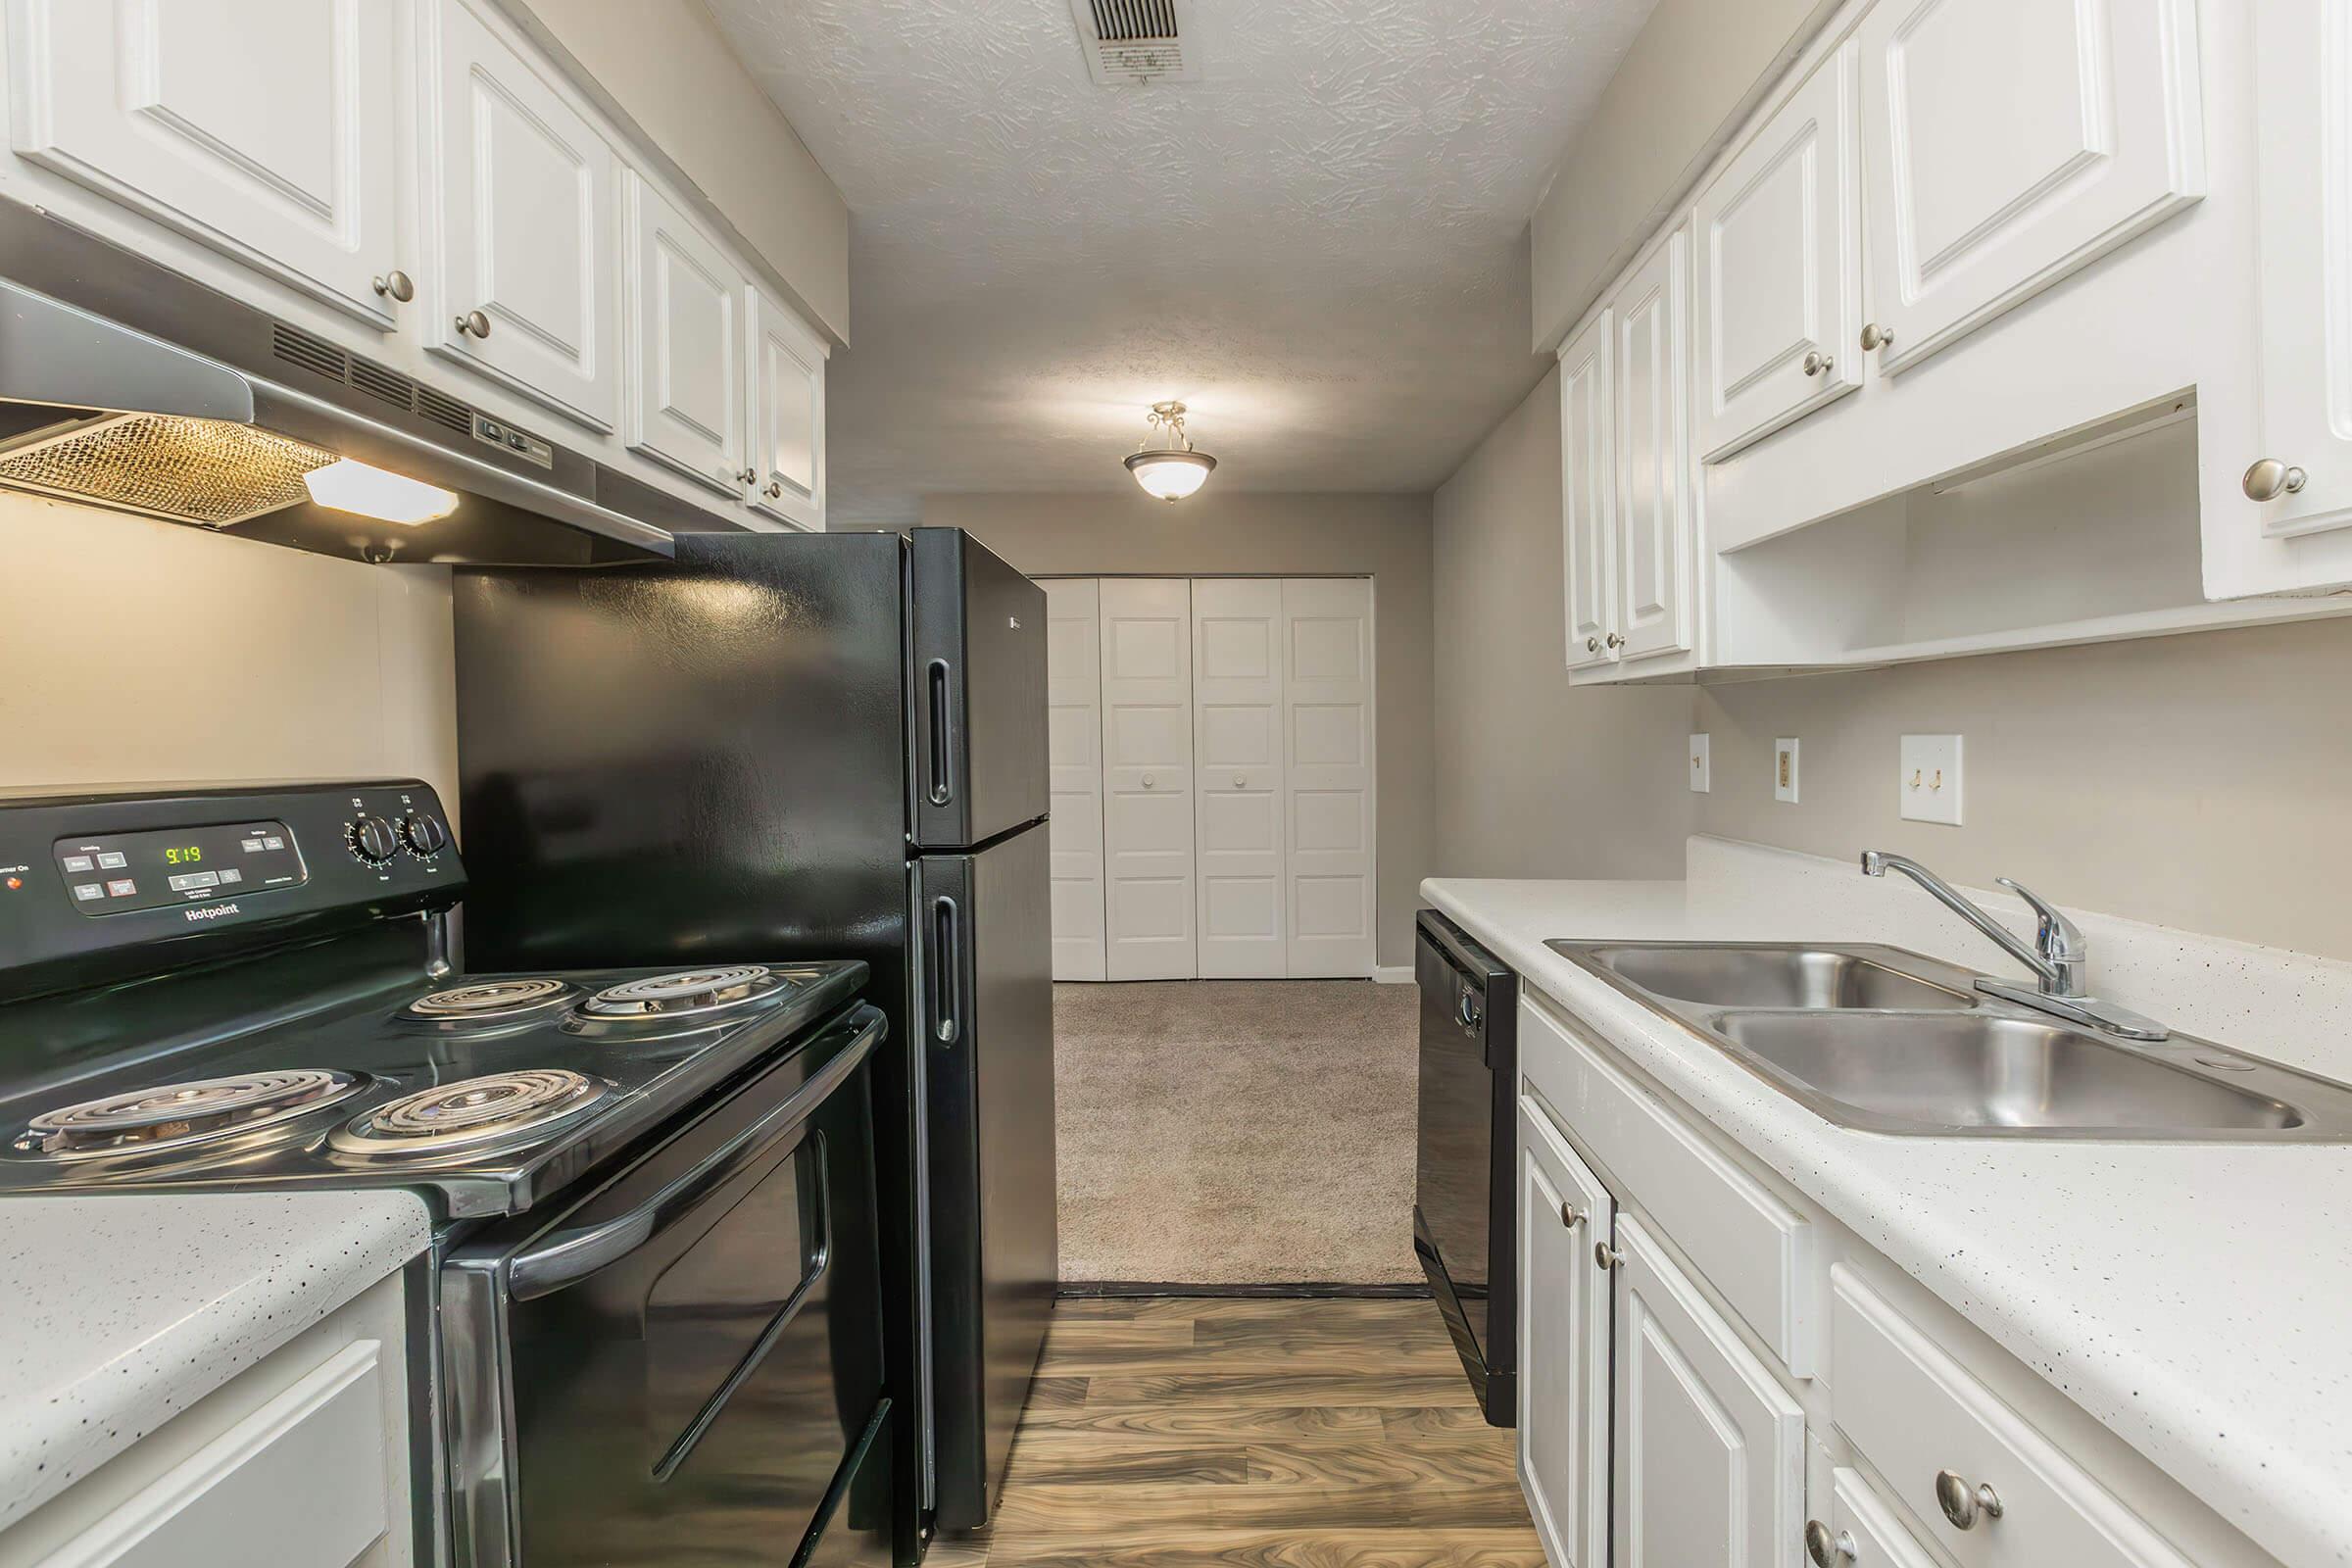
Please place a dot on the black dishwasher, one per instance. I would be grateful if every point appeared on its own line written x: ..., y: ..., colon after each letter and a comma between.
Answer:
x: 1463, y: 1192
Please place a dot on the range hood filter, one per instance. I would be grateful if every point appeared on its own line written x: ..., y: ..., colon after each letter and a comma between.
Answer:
x: 206, y: 472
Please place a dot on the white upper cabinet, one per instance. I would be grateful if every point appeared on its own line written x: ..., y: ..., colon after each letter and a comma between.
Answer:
x: 266, y: 129
x: 2306, y: 243
x: 1778, y: 269
x: 1652, y: 536
x: 787, y: 416
x: 2010, y: 143
x: 1588, y: 490
x: 686, y: 346
x: 525, y: 289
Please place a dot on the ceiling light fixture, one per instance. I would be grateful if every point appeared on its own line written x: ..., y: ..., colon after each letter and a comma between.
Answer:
x: 1174, y: 470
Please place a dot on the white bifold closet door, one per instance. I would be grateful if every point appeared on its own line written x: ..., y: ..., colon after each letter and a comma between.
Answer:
x: 1237, y: 750
x: 1148, y: 843
x: 1074, y: 775
x: 1328, y: 783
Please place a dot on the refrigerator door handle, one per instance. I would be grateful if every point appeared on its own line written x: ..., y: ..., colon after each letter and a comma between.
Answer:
x: 946, y: 1008
x: 943, y: 778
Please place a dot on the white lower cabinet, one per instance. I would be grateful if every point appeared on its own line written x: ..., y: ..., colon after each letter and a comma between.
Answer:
x: 1710, y: 1450
x: 1564, y: 1310
x: 303, y: 1459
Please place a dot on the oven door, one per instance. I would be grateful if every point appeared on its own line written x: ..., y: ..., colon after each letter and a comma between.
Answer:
x: 681, y: 1365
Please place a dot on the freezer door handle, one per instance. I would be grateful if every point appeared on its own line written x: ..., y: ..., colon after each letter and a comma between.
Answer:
x: 943, y: 777
x: 946, y: 1002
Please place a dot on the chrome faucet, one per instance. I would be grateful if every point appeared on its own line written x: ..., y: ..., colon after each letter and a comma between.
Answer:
x: 2059, y: 956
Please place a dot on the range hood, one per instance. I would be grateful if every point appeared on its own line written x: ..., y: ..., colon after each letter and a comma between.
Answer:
x: 124, y: 386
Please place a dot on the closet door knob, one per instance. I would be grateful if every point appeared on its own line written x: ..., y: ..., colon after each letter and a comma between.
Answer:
x: 1241, y: 781
x: 1147, y: 781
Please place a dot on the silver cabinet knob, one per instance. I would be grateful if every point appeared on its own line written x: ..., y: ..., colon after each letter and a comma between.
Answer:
x: 474, y: 323
x: 397, y: 285
x: 1571, y: 1216
x: 1874, y: 336
x: 2268, y: 479
x: 747, y: 476
x: 1591, y: 645
x: 1607, y: 1255
x: 1962, y: 1504
x: 1823, y: 1550
x: 1614, y: 640
x: 776, y: 489
x: 1817, y: 362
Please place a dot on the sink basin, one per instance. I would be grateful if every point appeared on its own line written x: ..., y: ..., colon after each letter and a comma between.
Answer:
x: 1985, y: 1070
x: 1885, y: 1041
x: 1760, y: 975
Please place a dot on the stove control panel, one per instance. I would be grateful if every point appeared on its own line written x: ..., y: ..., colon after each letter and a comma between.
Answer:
x: 99, y: 874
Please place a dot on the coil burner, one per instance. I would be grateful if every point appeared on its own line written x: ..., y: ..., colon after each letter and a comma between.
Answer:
x: 688, y: 994
x: 473, y: 1115
x: 492, y: 1002
x: 202, y: 1113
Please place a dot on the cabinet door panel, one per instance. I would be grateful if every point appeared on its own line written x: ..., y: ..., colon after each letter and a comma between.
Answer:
x: 2012, y: 142
x: 1652, y: 539
x: 787, y: 416
x: 527, y: 191
x: 1588, y: 494
x: 1778, y: 269
x: 686, y: 344
x: 1709, y: 1448
x: 2306, y: 149
x: 1074, y: 775
x: 1237, y: 746
x: 1147, y: 778
x: 264, y: 129
x: 1563, y: 1345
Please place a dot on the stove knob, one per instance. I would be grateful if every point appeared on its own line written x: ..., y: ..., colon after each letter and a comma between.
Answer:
x: 371, y: 839
x: 423, y: 835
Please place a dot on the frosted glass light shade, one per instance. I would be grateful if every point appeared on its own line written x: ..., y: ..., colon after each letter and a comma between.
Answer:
x: 350, y: 485
x: 1171, y: 475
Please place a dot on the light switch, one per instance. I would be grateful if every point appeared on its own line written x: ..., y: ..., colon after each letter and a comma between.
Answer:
x: 1929, y: 788
x: 1698, y: 764
x: 1784, y: 770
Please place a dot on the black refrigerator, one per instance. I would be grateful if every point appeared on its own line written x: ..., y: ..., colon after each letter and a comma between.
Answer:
x: 804, y: 745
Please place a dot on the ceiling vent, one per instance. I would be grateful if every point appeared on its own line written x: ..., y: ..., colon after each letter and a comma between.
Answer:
x: 1134, y: 44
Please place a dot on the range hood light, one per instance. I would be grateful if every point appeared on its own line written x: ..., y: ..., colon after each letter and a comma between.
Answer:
x: 350, y: 485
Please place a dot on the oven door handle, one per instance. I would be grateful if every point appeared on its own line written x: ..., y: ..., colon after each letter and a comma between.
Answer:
x: 571, y: 1255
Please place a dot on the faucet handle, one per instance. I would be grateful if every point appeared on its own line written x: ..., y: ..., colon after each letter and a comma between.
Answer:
x: 2055, y: 937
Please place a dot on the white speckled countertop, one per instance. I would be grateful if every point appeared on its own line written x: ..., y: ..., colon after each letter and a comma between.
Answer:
x: 2196, y: 1299
x: 124, y: 1309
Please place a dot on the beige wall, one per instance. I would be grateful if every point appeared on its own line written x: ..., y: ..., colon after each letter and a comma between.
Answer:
x: 1382, y: 536
x: 141, y: 652
x: 1535, y: 777
x: 2202, y: 781
x: 1696, y: 70
x: 664, y: 65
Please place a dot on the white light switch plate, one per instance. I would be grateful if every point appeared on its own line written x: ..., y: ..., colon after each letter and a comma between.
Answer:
x: 1784, y: 770
x: 1698, y: 764
x: 1930, y: 786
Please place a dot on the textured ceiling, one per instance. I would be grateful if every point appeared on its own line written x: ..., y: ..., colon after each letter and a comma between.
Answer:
x: 1319, y: 247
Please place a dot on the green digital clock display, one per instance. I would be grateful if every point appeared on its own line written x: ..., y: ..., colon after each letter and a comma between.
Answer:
x: 183, y: 853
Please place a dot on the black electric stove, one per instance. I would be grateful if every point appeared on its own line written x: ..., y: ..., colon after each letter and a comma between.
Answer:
x: 653, y: 1187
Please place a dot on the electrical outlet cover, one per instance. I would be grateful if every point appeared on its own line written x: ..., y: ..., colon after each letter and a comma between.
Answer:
x: 1784, y: 770
x: 1929, y: 788
x: 1698, y: 764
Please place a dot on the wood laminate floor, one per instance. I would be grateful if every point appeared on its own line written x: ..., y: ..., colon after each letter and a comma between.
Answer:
x: 1175, y: 1432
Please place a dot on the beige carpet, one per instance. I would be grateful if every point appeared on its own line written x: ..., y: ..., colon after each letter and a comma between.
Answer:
x: 1226, y: 1132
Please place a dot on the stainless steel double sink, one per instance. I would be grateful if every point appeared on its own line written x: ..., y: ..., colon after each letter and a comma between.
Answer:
x: 1886, y: 1041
